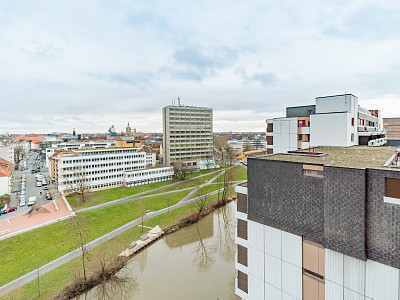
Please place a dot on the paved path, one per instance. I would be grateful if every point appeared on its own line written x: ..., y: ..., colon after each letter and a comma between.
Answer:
x: 9, y: 287
x: 133, y: 197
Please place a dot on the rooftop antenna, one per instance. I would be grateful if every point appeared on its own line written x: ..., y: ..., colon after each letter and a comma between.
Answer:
x: 179, y: 101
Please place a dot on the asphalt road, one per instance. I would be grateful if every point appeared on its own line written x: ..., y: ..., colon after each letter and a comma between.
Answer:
x: 30, y: 188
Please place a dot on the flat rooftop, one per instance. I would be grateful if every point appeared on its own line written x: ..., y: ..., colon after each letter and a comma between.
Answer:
x: 358, y: 157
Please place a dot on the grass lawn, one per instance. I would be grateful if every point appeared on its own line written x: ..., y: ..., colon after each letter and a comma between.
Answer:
x: 27, y: 251
x: 238, y: 173
x: 103, y: 196
x: 53, y: 282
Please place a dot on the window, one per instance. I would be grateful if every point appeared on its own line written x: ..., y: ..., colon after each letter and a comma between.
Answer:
x: 313, y: 270
x: 392, y: 190
x: 242, y: 203
x: 313, y: 170
x: 242, y: 255
x: 242, y: 229
x: 242, y: 281
x: 352, y: 121
x: 352, y: 137
x: 300, y: 137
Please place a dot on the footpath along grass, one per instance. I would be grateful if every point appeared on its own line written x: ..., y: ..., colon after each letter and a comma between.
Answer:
x: 103, y: 196
x: 27, y: 251
x: 54, y: 282
x: 99, y: 197
x: 238, y: 173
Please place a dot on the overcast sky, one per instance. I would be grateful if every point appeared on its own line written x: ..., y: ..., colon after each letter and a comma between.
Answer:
x: 90, y: 64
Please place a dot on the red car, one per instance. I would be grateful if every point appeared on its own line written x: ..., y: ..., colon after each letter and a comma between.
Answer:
x: 11, y: 209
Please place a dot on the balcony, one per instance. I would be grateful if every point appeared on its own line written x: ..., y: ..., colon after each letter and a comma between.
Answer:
x: 377, y: 142
x: 305, y: 130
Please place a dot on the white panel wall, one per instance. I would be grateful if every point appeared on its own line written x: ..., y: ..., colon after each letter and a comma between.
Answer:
x: 334, y: 104
x: 4, y: 185
x: 273, y: 271
x: 333, y: 291
x: 273, y: 241
x: 292, y: 249
x: 334, y: 267
x: 351, y: 295
x: 255, y: 263
x: 272, y: 293
x: 329, y: 130
x: 354, y: 274
x: 285, y: 134
x: 382, y: 282
x: 255, y: 288
x: 292, y: 280
x: 255, y: 235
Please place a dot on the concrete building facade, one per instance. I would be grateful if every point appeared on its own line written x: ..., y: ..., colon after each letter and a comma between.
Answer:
x: 6, y: 176
x: 7, y: 153
x: 188, y: 134
x: 324, y: 226
x: 336, y: 121
x: 103, y: 168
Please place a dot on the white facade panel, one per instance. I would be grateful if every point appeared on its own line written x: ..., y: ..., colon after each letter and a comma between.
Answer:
x: 292, y: 249
x: 330, y: 130
x: 382, y: 281
x: 255, y: 288
x: 354, y: 274
x: 272, y: 293
x: 4, y: 185
x: 339, y: 103
x: 333, y: 291
x: 273, y: 241
x: 273, y: 271
x: 286, y: 296
x: 255, y: 235
x: 351, y: 295
x: 334, y: 266
x: 255, y: 263
x: 292, y: 280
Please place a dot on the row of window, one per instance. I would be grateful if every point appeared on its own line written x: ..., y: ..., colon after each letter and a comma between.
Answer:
x: 84, y: 160
x: 147, y: 181
x: 148, y: 173
x: 136, y: 162
x: 106, y: 152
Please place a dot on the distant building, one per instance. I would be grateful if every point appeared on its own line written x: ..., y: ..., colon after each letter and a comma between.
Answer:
x: 324, y: 226
x: 7, y: 153
x: 188, y: 134
x: 333, y: 121
x: 6, y: 176
x: 392, y: 126
x: 105, y: 168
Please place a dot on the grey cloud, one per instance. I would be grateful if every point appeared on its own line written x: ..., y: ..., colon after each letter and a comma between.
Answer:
x: 197, y: 65
x: 371, y: 21
x: 44, y: 53
x: 265, y: 78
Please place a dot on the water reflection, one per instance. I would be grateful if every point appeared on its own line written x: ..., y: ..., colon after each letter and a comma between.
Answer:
x: 196, y: 262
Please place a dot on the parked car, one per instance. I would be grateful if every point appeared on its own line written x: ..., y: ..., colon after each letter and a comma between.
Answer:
x: 2, y: 212
x: 11, y: 209
x: 39, y: 184
x: 22, y: 203
x: 48, y: 197
x: 32, y: 201
x: 45, y: 187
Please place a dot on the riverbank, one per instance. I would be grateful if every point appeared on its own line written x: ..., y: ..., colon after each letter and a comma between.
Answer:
x: 110, y: 267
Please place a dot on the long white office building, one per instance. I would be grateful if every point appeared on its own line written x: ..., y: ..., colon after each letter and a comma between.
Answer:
x: 104, y: 168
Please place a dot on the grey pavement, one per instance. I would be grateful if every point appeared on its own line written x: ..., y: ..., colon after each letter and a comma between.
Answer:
x: 9, y: 287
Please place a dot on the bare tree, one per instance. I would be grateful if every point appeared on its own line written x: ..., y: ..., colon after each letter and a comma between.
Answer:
x: 181, y: 170
x: 142, y: 209
x: 246, y: 146
x: 201, y: 202
x: 79, y: 182
x: 79, y: 234
x: 203, y: 257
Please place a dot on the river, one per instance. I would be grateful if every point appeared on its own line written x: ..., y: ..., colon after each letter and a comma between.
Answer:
x: 196, y: 262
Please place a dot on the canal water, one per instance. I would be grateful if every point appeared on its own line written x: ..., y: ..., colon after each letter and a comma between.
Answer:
x: 196, y: 262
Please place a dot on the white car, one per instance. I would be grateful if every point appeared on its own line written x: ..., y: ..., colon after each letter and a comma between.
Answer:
x: 22, y: 203
x: 39, y: 184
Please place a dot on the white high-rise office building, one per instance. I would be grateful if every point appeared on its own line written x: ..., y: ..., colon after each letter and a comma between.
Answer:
x: 188, y: 134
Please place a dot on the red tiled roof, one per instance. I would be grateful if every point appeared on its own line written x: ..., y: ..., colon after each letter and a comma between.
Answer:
x: 5, y: 168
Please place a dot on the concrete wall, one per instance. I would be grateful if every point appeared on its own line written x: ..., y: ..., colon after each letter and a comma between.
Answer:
x: 341, y: 103
x: 4, y: 185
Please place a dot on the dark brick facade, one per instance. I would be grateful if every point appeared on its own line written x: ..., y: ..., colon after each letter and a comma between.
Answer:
x: 383, y: 220
x: 344, y: 210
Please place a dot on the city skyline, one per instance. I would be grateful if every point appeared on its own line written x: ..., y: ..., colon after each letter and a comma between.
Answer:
x: 89, y: 66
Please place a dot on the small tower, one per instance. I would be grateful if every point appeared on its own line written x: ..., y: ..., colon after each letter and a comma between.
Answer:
x: 73, y: 133
x: 128, y: 130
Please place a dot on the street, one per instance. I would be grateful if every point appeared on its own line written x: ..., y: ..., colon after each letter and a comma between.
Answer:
x: 31, y: 188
